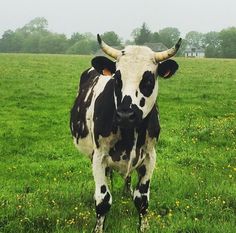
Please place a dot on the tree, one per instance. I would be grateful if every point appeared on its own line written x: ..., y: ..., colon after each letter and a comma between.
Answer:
x: 83, y: 47
x: 169, y: 36
x: 53, y: 43
x: 228, y: 42
x: 11, y: 42
x: 155, y: 38
x: 194, y: 39
x: 38, y: 24
x: 111, y: 38
x: 211, y: 42
x: 76, y: 37
x: 142, y: 35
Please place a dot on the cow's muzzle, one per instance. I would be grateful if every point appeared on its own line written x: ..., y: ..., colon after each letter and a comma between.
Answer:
x: 125, y: 118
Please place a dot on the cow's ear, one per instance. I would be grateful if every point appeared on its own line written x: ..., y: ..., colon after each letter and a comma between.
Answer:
x: 104, y: 65
x: 167, y: 68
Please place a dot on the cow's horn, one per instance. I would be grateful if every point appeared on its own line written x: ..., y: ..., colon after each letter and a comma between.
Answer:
x: 108, y: 49
x: 161, y: 56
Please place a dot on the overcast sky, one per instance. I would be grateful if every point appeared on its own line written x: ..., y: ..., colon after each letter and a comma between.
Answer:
x: 121, y: 16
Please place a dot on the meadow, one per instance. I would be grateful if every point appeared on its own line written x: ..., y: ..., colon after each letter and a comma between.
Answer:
x: 46, y: 185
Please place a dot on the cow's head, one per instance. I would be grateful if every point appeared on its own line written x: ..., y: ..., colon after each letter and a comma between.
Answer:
x: 135, y: 73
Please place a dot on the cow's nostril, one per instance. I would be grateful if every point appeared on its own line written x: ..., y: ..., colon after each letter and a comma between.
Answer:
x: 132, y: 116
x: 125, y: 116
x: 119, y: 116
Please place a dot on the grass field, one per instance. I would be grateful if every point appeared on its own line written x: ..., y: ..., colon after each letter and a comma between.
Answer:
x: 47, y: 186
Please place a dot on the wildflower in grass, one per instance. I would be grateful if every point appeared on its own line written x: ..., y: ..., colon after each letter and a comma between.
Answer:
x: 177, y: 203
x: 71, y: 221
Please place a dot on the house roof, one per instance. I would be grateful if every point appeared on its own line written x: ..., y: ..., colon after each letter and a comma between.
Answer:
x: 194, y: 50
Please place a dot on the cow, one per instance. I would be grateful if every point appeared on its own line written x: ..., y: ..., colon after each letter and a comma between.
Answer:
x: 115, y: 120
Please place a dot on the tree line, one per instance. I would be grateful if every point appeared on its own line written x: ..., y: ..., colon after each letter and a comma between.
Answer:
x: 34, y: 37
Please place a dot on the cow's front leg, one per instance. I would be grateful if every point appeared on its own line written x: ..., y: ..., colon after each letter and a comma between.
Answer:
x: 141, y: 193
x: 102, y: 194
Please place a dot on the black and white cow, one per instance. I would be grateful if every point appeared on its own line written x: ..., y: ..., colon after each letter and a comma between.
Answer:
x: 115, y: 120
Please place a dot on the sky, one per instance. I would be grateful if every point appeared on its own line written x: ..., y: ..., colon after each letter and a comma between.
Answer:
x: 121, y: 16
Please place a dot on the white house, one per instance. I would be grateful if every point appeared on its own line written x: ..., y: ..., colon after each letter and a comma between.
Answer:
x: 194, y: 52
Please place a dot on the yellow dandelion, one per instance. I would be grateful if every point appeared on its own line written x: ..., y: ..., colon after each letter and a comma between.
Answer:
x: 177, y: 203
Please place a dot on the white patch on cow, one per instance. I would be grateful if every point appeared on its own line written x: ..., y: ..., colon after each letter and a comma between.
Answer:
x: 84, y: 145
x: 99, y: 167
x: 132, y: 65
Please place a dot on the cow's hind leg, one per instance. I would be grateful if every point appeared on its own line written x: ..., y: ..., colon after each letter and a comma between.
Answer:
x: 102, y: 194
x: 141, y: 193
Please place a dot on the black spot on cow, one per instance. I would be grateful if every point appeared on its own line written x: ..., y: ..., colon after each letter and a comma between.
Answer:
x: 153, y: 123
x: 149, y: 124
x: 141, y: 203
x: 138, y: 114
x: 136, y: 93
x: 143, y: 188
x: 123, y: 52
x: 142, y: 102
x: 124, y: 145
x: 87, y: 76
x: 118, y: 86
x: 147, y: 83
x: 126, y: 102
x: 78, y: 126
x: 104, y: 112
x: 142, y: 171
x: 103, y: 189
x: 103, y: 207
x: 125, y: 157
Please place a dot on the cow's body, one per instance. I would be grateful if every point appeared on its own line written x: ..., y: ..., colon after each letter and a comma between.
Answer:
x: 122, y: 149
x: 115, y: 122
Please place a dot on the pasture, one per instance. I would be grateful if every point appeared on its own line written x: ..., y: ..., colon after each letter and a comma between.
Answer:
x: 47, y: 186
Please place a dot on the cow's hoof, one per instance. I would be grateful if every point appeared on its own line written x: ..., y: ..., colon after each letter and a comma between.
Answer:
x: 144, y: 225
x: 98, y: 229
x: 99, y: 226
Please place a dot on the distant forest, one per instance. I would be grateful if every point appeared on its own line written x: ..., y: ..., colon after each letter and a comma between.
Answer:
x: 34, y: 37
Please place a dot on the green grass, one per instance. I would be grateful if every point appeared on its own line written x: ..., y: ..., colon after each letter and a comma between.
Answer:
x: 47, y: 186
